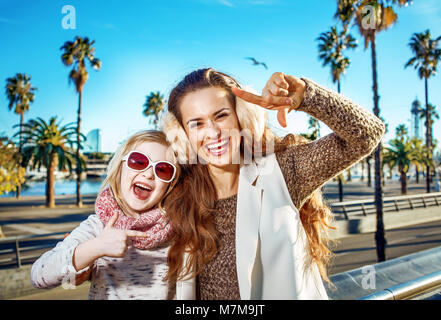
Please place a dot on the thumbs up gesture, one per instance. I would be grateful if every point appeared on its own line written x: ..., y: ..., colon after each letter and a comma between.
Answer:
x: 114, y: 242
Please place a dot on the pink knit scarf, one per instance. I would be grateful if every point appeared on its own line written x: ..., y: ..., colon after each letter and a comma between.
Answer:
x: 152, y: 222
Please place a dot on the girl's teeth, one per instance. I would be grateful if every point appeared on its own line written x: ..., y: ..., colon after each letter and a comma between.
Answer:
x: 142, y: 186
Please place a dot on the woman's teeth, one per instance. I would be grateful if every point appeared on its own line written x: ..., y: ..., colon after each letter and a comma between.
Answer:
x: 218, y: 147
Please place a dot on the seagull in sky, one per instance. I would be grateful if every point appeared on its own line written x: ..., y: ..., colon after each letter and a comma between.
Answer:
x: 256, y: 63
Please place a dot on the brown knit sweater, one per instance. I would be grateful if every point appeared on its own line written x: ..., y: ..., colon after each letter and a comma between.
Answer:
x: 305, y: 167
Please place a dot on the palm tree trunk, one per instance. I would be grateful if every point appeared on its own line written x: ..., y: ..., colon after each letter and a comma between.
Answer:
x: 383, y: 179
x: 369, y: 176
x: 403, y: 180
x: 18, y: 190
x: 50, y: 192
x: 417, y: 175
x: 428, y: 134
x: 340, y: 182
x: 21, y: 131
x: 79, y: 201
x: 362, y: 170
x: 379, y: 234
x: 340, y: 188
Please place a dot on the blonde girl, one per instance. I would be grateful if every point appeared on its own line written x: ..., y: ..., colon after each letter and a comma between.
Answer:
x: 123, y: 247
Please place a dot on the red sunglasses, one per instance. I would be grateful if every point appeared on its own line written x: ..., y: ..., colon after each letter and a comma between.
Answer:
x: 138, y: 161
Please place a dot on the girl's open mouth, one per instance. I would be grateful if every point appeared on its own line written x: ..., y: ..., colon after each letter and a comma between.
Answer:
x: 142, y: 191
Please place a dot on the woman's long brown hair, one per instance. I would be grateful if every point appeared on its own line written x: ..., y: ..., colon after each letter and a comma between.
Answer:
x: 190, y: 207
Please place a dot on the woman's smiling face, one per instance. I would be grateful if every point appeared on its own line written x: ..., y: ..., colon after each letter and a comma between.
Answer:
x: 211, y: 124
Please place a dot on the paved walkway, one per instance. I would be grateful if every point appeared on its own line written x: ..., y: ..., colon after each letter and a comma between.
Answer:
x: 79, y: 293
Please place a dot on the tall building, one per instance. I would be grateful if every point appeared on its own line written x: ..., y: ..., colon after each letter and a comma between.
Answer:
x: 93, y: 142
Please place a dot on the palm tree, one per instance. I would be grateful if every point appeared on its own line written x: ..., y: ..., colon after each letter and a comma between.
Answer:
x: 153, y: 106
x: 400, y: 153
x: 46, y: 144
x: 401, y: 132
x: 417, y: 145
x: 372, y: 17
x: 331, y: 46
x: 20, y: 94
x: 11, y: 173
x: 427, y: 54
x: 314, y: 124
x: 76, y: 53
x: 431, y: 114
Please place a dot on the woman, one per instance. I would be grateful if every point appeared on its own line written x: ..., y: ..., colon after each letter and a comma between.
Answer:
x: 256, y: 228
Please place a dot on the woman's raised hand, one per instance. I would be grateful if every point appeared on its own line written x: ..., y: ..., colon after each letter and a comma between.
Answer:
x: 282, y: 93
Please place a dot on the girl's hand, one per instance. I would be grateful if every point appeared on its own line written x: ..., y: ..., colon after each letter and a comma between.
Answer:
x: 114, y: 242
x: 282, y: 93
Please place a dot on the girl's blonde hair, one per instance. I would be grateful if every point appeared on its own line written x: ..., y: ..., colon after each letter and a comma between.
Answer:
x: 191, y: 207
x: 114, y: 169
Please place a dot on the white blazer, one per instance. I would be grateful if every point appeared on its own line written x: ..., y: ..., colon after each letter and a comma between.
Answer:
x: 271, y: 243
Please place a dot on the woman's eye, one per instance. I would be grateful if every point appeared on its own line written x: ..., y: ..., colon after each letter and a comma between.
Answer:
x: 222, y: 115
x: 195, y: 124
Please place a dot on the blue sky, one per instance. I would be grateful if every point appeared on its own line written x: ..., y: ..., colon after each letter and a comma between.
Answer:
x: 150, y: 45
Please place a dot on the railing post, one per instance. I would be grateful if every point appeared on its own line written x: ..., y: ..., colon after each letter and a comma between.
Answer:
x: 396, y: 205
x: 344, y: 212
x: 363, y: 208
x: 436, y: 200
x: 410, y: 202
x: 17, y: 252
x: 424, y: 202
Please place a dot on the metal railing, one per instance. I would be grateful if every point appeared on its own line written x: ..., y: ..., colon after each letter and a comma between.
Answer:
x: 14, y: 254
x: 409, y: 289
x: 407, y: 202
x: 413, y: 276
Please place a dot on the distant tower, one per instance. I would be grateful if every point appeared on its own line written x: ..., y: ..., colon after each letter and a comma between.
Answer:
x: 93, y: 143
x: 416, y: 111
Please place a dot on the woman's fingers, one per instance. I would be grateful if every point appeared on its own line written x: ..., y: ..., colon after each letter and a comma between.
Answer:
x: 248, y: 96
x: 266, y: 101
x: 281, y: 116
x: 276, y: 90
x: 279, y: 79
x: 282, y: 93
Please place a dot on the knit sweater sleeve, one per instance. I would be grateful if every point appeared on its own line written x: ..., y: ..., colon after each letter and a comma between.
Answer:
x: 356, y: 133
x: 55, y: 266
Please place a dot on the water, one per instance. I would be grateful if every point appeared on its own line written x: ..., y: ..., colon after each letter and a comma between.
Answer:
x: 62, y: 187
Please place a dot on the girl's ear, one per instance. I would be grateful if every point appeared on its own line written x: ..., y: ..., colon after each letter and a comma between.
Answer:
x: 177, y: 137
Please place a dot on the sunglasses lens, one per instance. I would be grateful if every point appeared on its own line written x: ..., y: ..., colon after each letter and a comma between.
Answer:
x: 137, y: 161
x: 164, y: 171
